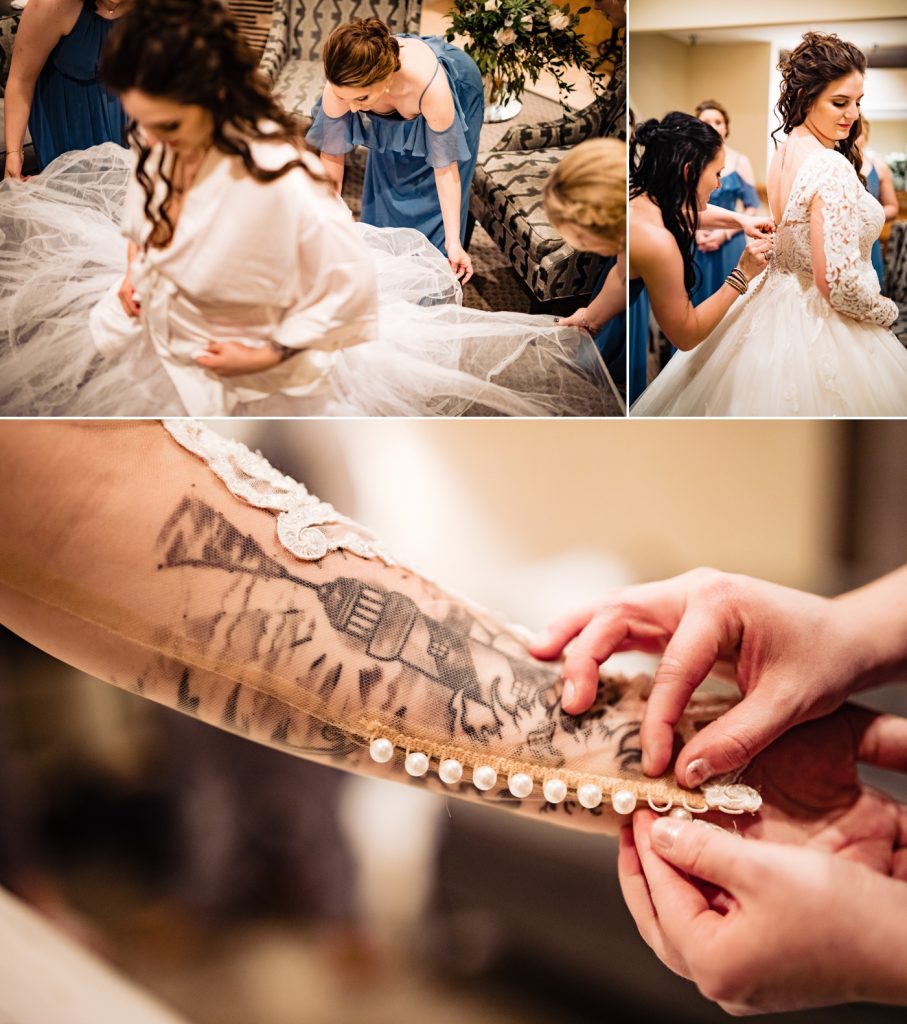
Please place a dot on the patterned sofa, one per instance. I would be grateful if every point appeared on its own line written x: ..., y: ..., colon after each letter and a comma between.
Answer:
x: 292, y: 55
x: 507, y: 197
x: 896, y: 275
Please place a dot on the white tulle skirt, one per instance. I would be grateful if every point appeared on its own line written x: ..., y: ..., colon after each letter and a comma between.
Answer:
x: 62, y: 254
x: 783, y: 351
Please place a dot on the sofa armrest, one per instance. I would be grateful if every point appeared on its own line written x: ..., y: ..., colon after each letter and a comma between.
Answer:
x: 277, y: 46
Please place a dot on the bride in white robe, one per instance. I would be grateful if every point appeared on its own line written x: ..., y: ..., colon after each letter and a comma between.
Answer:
x: 811, y: 338
x: 241, y: 258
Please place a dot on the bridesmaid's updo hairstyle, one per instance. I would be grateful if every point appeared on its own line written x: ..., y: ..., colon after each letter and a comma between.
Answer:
x: 819, y: 60
x: 588, y: 188
x: 667, y: 159
x: 191, y: 52
x: 715, y: 105
x: 360, y: 53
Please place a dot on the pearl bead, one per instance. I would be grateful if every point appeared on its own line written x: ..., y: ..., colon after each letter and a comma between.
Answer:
x: 381, y: 750
x: 416, y: 764
x: 623, y: 801
x: 520, y: 785
x: 589, y: 795
x: 680, y: 812
x: 484, y: 777
x: 450, y: 771
x: 555, y: 790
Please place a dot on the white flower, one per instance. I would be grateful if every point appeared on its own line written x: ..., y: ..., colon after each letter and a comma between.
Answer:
x: 559, y: 20
x: 492, y: 5
x: 504, y: 36
x: 526, y: 22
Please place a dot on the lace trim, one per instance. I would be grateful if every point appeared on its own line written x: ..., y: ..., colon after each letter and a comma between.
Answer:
x: 851, y: 290
x: 523, y: 777
x: 301, y: 515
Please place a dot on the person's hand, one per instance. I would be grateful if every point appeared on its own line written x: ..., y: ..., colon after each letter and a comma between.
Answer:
x: 233, y: 359
x: 710, y: 241
x: 755, y: 257
x: 127, y: 296
x: 579, y: 319
x: 459, y: 260
x: 796, y: 657
x: 13, y: 169
x: 757, y: 226
x: 812, y: 793
x: 761, y: 926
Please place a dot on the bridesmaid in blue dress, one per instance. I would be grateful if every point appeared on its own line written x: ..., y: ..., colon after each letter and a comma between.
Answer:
x: 585, y: 199
x: 416, y: 103
x: 880, y: 184
x: 718, y: 251
x: 54, y: 86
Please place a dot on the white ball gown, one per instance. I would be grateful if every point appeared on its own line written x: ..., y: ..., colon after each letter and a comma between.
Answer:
x: 374, y: 316
x: 783, y: 349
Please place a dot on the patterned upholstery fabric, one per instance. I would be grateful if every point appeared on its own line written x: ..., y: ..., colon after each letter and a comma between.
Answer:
x: 507, y: 196
x: 299, y: 84
x: 8, y: 26
x: 507, y: 201
x: 300, y: 27
x: 896, y: 275
x: 254, y: 20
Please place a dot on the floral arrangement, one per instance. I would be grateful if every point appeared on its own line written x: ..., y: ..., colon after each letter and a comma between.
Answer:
x: 898, y: 164
x: 512, y: 40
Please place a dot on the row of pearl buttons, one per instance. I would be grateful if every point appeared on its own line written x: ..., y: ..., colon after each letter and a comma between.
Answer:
x: 484, y: 777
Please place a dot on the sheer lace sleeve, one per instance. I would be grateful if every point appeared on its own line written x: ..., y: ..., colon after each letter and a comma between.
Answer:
x: 181, y: 566
x: 852, y: 284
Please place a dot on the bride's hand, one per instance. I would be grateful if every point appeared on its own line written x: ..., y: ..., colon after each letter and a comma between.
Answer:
x: 755, y: 257
x: 233, y: 359
x: 127, y: 297
x: 756, y: 227
x: 460, y: 261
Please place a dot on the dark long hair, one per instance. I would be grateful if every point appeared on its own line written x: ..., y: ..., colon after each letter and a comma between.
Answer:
x: 818, y: 60
x: 191, y: 52
x: 667, y: 159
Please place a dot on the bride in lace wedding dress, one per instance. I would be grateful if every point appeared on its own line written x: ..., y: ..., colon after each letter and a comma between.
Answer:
x: 249, y: 289
x: 811, y: 338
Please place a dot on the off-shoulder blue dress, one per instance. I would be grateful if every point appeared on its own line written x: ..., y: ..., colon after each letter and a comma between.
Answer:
x: 399, y: 189
x: 713, y: 267
x: 71, y: 109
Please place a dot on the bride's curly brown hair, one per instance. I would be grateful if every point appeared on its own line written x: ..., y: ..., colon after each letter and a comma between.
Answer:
x: 191, y: 52
x: 805, y: 71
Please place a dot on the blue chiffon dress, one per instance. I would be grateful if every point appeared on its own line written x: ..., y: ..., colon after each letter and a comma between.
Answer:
x: 399, y: 189
x: 638, y: 309
x: 71, y: 109
x: 713, y: 267
x: 875, y: 187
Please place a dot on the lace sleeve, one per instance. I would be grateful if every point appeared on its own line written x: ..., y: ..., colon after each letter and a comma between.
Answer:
x: 208, y: 581
x: 852, y: 284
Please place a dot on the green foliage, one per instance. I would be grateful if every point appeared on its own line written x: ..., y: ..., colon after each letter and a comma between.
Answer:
x: 515, y: 40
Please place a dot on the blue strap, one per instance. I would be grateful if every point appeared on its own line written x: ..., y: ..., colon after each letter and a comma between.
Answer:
x: 427, y: 87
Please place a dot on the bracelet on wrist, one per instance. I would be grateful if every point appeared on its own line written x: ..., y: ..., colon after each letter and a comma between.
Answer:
x: 738, y: 281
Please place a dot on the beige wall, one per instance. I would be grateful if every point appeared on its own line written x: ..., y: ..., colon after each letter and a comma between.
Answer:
x: 669, y: 15
x: 468, y: 500
x: 668, y: 75
x: 888, y: 137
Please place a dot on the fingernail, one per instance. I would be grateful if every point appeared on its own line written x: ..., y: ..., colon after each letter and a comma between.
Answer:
x: 646, y: 763
x: 665, y: 831
x: 569, y: 693
x: 698, y: 771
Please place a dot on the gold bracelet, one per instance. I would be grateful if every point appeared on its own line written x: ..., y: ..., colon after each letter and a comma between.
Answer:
x: 737, y: 281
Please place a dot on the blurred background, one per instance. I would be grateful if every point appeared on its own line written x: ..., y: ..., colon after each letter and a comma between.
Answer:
x: 242, y: 886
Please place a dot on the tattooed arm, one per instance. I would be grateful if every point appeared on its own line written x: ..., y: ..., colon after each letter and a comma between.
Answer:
x: 123, y: 554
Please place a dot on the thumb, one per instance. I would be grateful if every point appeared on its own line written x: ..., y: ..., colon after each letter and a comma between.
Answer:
x: 734, y: 739
x: 706, y: 852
